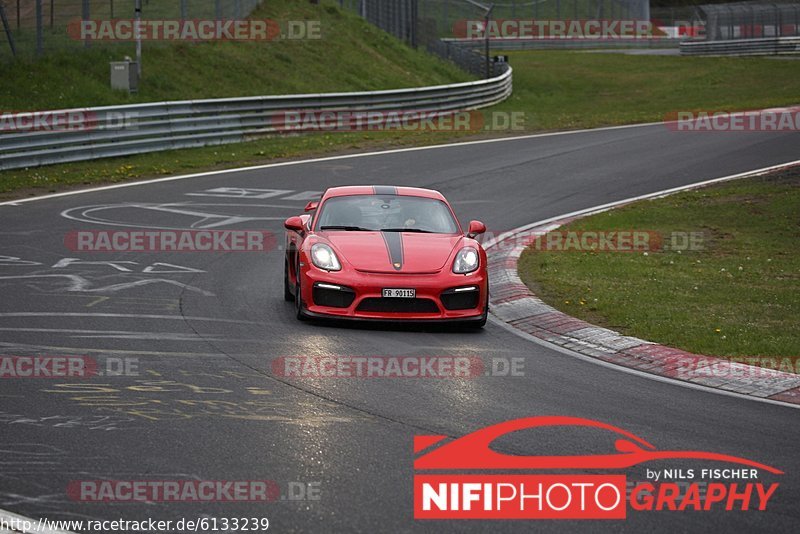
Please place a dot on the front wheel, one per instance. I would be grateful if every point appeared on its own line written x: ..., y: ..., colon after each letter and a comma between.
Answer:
x: 298, y: 301
x: 287, y: 292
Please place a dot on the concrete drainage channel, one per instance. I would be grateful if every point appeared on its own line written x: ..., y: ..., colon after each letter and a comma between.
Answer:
x: 515, y: 307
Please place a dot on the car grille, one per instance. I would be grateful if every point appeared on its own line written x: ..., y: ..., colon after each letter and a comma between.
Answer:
x: 398, y: 305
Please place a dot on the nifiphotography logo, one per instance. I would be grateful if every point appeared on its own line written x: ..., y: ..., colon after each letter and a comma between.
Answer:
x: 447, y: 494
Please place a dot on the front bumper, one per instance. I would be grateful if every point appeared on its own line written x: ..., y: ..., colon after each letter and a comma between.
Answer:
x: 360, y: 296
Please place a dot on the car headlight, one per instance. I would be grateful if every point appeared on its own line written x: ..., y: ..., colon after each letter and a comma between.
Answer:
x: 467, y: 260
x: 323, y: 257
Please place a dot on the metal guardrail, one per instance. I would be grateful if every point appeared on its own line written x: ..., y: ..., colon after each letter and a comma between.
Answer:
x: 742, y: 47
x: 110, y: 131
x: 548, y: 44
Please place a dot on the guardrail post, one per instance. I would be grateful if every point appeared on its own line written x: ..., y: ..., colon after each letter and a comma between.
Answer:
x: 414, y: 8
x: 86, y: 15
x: 39, y: 42
x: 8, y: 31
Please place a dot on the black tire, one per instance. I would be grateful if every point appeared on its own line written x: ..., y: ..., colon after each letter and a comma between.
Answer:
x: 287, y: 292
x: 298, y: 301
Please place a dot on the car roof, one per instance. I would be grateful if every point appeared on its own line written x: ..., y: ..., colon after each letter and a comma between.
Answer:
x: 382, y: 190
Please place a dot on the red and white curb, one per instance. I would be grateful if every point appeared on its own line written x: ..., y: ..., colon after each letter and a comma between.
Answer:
x: 513, y: 303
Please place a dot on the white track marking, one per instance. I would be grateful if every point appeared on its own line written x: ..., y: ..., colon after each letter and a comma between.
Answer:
x: 128, y: 334
x: 319, y: 160
x: 216, y: 219
x: 606, y: 207
x: 87, y: 350
x: 657, y: 194
x: 80, y: 284
x: 641, y: 374
x: 125, y: 316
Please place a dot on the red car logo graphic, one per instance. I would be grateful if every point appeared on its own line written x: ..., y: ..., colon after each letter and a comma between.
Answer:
x: 473, y: 450
x: 441, y: 494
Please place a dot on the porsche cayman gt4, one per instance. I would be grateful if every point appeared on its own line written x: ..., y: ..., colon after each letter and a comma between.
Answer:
x: 385, y: 253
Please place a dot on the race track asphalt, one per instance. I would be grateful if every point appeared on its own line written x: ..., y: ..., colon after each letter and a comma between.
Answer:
x: 203, y: 330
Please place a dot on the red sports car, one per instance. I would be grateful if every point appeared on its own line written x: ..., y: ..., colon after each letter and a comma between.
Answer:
x: 385, y: 253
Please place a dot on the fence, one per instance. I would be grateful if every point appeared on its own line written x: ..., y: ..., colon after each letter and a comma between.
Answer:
x: 746, y: 29
x: 508, y: 45
x: 747, y: 20
x: 433, y: 23
x: 440, y: 16
x: 140, y: 128
x: 38, y: 27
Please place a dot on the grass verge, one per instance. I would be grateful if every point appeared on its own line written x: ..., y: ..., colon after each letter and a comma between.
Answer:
x: 736, y: 295
x: 565, y: 89
x: 555, y: 89
x: 21, y: 183
x: 351, y: 55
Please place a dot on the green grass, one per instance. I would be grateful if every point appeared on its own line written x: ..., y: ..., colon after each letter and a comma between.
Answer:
x: 737, y: 296
x: 555, y: 89
x: 351, y: 56
x: 565, y: 89
x: 51, y: 178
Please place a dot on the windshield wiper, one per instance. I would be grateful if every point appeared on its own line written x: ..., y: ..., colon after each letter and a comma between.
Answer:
x: 417, y: 230
x: 346, y: 228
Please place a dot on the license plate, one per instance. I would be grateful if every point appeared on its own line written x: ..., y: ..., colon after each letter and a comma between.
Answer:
x: 399, y: 293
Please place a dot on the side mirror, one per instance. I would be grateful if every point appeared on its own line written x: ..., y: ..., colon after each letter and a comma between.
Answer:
x: 476, y: 228
x: 311, y: 206
x: 295, y: 224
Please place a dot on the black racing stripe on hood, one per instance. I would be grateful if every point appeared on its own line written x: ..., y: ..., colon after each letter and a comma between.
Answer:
x: 394, y: 246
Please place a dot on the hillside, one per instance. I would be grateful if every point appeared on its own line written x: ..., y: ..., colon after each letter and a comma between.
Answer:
x: 351, y: 55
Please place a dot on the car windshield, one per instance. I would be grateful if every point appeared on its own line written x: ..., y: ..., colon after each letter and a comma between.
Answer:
x: 389, y: 213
